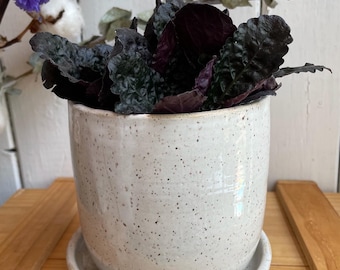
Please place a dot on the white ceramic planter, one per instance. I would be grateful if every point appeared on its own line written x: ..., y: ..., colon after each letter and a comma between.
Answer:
x: 181, y: 191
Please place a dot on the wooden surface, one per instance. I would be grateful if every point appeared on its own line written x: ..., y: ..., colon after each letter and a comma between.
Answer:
x: 315, y: 223
x: 36, y: 226
x: 31, y: 240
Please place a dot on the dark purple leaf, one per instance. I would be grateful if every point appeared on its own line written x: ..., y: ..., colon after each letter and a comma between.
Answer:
x: 203, y: 80
x: 269, y: 85
x: 190, y: 101
x: 80, y: 91
x: 165, y: 48
x: 107, y: 100
x: 257, y: 95
x: 190, y: 31
x: 202, y: 29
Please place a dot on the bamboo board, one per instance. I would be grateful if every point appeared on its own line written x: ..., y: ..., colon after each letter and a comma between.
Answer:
x: 34, y: 238
x: 315, y: 222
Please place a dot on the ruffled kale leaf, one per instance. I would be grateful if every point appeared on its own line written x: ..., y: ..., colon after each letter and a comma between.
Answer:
x: 136, y: 84
x: 130, y: 41
x: 252, y: 55
x: 190, y: 58
x: 69, y: 69
x: 165, y: 13
x: 306, y: 68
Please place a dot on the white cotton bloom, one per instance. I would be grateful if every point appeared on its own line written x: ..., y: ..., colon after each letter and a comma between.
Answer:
x: 64, y: 18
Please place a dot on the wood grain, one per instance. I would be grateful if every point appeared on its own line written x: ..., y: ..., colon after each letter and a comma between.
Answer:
x: 14, y: 210
x: 285, y: 248
x: 287, y: 255
x: 315, y: 222
x: 33, y: 239
x: 281, y: 267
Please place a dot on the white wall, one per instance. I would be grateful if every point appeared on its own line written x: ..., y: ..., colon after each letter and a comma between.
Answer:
x: 39, y: 118
x: 305, y: 114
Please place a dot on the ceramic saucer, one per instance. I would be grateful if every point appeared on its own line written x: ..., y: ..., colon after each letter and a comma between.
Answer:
x: 78, y: 257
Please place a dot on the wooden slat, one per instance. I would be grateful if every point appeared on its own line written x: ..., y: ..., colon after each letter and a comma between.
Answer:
x: 15, y: 210
x: 55, y: 264
x: 24, y: 198
x: 285, y: 248
x: 314, y: 221
x: 334, y: 199
x: 288, y: 268
x: 59, y: 251
x: 32, y: 240
x: 57, y: 259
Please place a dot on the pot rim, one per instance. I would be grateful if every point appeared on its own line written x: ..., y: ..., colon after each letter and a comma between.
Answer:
x: 106, y: 113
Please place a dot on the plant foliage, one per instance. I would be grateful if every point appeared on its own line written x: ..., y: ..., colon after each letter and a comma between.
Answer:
x: 191, y: 57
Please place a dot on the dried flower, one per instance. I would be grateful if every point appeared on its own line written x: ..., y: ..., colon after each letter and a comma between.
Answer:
x: 30, y: 5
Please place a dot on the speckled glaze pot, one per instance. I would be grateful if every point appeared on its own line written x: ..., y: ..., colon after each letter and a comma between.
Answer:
x: 171, y: 192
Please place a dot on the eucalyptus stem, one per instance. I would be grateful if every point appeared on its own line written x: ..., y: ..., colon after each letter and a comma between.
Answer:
x: 19, y: 37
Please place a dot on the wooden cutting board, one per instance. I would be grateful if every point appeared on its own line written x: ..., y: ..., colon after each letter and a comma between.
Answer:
x: 34, y: 238
x: 315, y: 222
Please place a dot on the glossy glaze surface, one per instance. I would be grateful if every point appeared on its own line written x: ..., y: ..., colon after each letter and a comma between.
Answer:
x: 182, y: 191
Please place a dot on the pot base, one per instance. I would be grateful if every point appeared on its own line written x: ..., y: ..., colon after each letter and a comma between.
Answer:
x: 78, y: 257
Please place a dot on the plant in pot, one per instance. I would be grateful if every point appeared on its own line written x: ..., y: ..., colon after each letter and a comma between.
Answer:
x: 169, y: 134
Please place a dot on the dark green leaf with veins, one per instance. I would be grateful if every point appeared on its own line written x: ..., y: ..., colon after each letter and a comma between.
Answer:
x: 71, y: 70
x: 164, y: 14
x: 251, y: 55
x: 137, y: 85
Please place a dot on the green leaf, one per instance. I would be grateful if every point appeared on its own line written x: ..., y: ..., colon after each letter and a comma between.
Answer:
x: 143, y: 18
x: 112, y: 20
x: 270, y: 3
x: 253, y: 54
x: 36, y: 62
x: 235, y: 3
